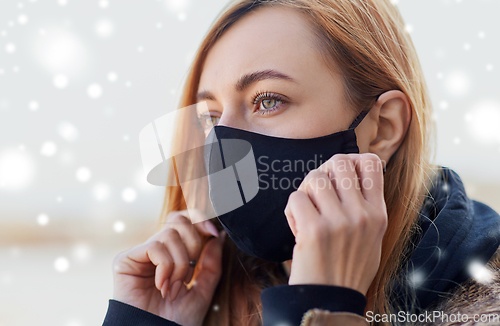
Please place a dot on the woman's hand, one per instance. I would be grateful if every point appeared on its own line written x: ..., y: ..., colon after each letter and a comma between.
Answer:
x: 151, y: 276
x: 339, y: 222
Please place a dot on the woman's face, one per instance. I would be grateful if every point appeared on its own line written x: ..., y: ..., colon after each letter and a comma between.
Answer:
x: 265, y: 75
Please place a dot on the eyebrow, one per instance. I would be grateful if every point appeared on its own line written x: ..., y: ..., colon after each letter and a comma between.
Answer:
x: 247, y: 80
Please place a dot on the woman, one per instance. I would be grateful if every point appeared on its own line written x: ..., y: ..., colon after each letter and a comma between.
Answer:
x: 312, y: 70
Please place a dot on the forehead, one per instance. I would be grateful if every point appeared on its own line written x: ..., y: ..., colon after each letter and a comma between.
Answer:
x: 269, y: 38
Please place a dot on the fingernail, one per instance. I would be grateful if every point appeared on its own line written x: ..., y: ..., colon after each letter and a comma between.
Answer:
x: 211, y: 228
x: 164, y: 289
x: 174, y: 290
x: 222, y: 236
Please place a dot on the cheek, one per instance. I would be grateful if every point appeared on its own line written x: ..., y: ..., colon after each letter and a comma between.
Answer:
x: 365, y: 138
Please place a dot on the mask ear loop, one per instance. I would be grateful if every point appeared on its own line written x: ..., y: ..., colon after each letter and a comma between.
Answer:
x: 356, y: 123
x: 358, y: 119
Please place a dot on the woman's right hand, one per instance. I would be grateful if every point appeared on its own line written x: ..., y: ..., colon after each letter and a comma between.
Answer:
x: 151, y: 276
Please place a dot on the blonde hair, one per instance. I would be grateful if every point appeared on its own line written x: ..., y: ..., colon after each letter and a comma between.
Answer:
x: 366, y: 43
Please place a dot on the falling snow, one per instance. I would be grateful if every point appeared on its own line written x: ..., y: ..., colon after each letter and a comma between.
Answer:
x: 182, y: 16
x: 177, y: 5
x: 61, y: 264
x: 103, y: 3
x: 101, y: 191
x: 82, y: 252
x: 16, y: 169
x: 60, y: 81
x: 42, y: 219
x: 483, y: 120
x: 22, y: 19
x: 48, y: 149
x: 10, y: 48
x: 480, y: 272
x: 83, y: 174
x: 94, y: 91
x: 129, y: 195
x: 67, y: 131
x: 119, y: 226
x: 34, y: 106
x: 416, y: 278
x: 104, y: 28
x: 457, y: 83
x: 61, y: 51
x: 112, y: 77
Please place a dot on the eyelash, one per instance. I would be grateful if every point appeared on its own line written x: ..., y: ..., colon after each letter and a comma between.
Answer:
x: 265, y: 95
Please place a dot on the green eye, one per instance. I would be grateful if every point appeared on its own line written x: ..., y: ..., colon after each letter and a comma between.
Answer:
x: 208, y: 121
x: 212, y: 121
x: 269, y: 103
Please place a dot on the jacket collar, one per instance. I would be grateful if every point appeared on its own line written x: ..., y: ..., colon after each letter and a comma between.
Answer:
x: 454, y: 232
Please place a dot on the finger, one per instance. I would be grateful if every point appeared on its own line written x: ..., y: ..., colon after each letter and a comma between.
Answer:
x: 195, y: 215
x: 198, y: 219
x: 369, y: 168
x: 320, y: 190
x: 191, y: 270
x: 188, y: 233
x: 147, y: 254
x: 172, y: 240
x: 300, y: 212
x: 189, y: 274
x: 191, y: 234
x: 207, y: 228
x: 289, y: 217
x: 343, y: 171
x: 209, y: 271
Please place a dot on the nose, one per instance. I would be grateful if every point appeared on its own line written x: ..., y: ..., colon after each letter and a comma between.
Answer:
x: 228, y: 118
x: 231, y: 117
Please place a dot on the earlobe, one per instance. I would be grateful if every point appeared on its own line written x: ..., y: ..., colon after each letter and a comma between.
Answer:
x: 394, y: 115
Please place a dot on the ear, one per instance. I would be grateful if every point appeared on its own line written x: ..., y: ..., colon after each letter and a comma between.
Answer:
x: 388, y: 123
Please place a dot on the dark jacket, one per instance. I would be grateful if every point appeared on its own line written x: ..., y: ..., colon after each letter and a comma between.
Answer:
x: 453, y: 232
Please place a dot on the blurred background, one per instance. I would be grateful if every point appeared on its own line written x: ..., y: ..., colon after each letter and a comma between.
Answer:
x: 79, y: 79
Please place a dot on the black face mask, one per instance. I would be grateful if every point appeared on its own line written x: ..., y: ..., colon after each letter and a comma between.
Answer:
x: 251, y: 175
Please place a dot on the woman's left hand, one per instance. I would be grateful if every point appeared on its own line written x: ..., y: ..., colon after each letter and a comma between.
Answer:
x: 339, y: 221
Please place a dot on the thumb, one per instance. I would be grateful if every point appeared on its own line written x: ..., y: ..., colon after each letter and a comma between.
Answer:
x: 209, y: 267
x: 289, y: 217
